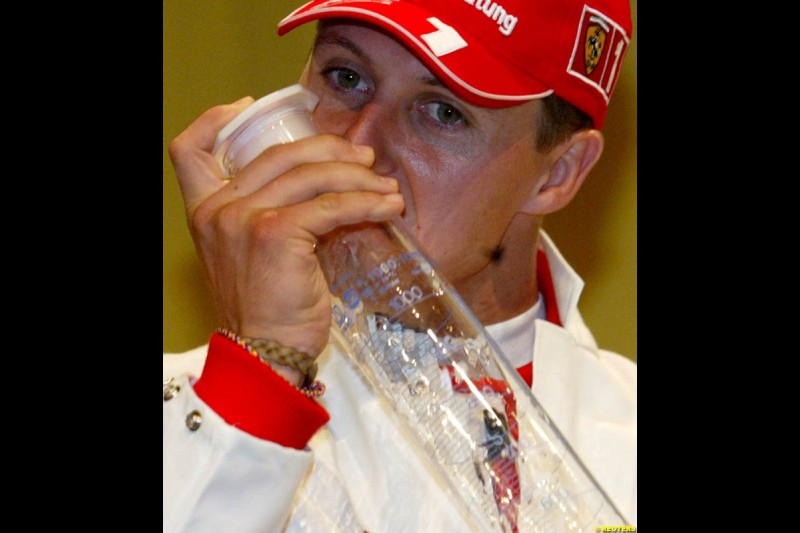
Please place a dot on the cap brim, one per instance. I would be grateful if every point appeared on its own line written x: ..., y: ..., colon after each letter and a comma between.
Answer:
x: 473, y: 72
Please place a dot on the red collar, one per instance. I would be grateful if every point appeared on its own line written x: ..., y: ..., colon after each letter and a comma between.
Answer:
x: 548, y: 290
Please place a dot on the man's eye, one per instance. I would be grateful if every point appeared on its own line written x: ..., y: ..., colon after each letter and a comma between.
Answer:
x: 444, y: 113
x: 347, y: 79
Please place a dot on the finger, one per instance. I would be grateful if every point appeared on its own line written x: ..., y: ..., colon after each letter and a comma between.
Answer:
x: 331, y: 210
x: 308, y: 181
x: 197, y: 171
x: 282, y: 158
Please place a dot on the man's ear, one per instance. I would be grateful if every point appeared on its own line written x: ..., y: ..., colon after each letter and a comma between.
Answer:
x: 574, y: 158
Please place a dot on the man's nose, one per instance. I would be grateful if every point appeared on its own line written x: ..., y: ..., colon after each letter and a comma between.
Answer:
x: 367, y: 124
x: 374, y: 125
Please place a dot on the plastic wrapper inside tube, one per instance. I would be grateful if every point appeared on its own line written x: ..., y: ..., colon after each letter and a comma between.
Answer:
x: 453, y: 391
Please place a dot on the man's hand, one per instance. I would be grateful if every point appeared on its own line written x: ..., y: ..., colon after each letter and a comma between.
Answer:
x: 256, y: 233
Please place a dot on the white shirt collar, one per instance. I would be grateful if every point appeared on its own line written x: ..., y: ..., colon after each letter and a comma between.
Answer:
x: 516, y: 335
x: 568, y: 284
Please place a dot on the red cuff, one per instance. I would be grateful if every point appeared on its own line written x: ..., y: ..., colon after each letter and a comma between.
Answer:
x: 248, y: 394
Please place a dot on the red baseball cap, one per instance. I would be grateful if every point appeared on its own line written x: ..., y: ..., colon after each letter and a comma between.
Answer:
x: 506, y: 52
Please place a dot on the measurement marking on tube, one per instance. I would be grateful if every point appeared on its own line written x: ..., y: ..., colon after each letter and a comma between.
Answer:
x: 406, y: 299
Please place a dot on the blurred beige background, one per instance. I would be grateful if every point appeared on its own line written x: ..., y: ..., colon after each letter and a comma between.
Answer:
x: 217, y: 52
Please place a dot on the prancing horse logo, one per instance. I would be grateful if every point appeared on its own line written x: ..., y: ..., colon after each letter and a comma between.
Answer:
x: 595, y: 42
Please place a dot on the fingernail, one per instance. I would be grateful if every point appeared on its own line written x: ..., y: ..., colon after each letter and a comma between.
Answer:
x: 364, y: 149
x: 393, y: 198
x: 391, y: 181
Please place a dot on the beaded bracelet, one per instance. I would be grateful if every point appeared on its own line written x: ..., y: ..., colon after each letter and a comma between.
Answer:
x: 268, y: 351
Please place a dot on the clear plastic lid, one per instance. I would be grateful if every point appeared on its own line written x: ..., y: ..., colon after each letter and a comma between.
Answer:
x: 279, y: 117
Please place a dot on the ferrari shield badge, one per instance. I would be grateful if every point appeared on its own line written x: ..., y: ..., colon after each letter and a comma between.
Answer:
x: 593, y: 49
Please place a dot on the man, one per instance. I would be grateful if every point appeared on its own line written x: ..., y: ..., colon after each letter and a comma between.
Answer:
x: 472, y: 120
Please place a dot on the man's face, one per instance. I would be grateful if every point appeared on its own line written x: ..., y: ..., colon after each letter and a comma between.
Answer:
x: 464, y: 171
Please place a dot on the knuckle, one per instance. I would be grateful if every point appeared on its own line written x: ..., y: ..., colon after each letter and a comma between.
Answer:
x: 230, y: 220
x: 330, y: 202
x: 202, y: 220
x: 177, y: 148
x: 211, y: 221
x: 266, y: 227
